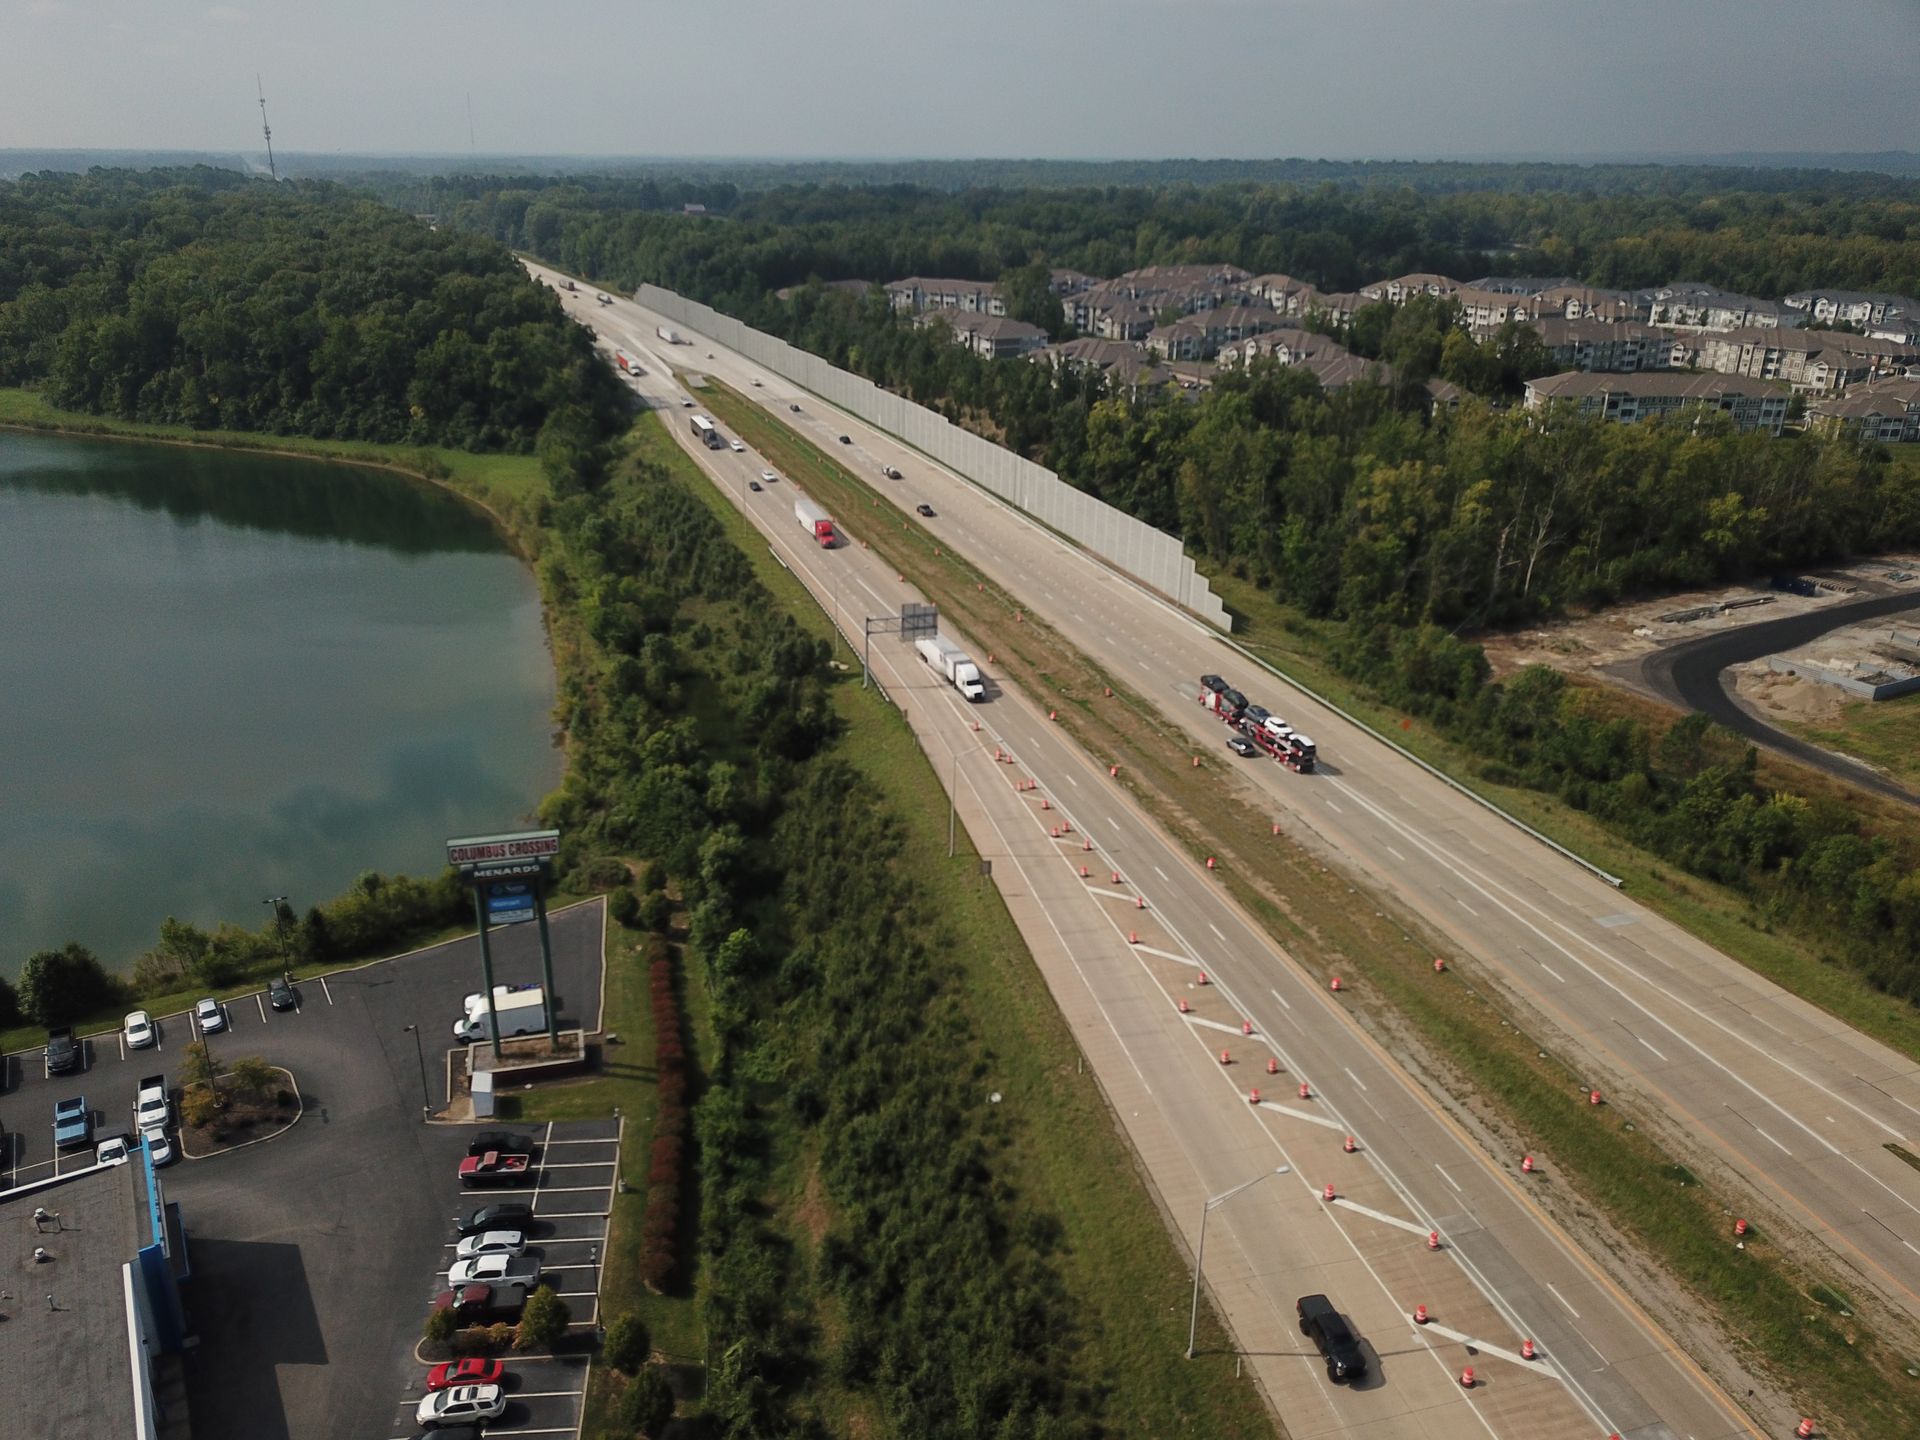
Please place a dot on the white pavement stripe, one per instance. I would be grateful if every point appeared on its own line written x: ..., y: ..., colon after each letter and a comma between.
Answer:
x: 1335, y: 808
x: 1446, y: 1177
x: 1410, y: 1226
x: 1396, y: 854
x: 1218, y: 1025
x: 1771, y: 1141
x: 1167, y: 955
x: 1354, y: 1078
x: 1114, y: 894
x: 1304, y: 1115
x: 1163, y: 874
x: 578, y: 1164
x: 1481, y: 1347
x: 1466, y: 907
x: 326, y: 989
x: 1550, y: 970
x: 1115, y: 823
x: 1657, y: 1054
x: 606, y: 1140
x: 1278, y: 996
x: 540, y: 1190
x: 1216, y: 930
x: 1563, y: 1300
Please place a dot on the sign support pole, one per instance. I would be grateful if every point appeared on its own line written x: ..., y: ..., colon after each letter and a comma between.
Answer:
x: 546, y: 960
x: 486, y: 968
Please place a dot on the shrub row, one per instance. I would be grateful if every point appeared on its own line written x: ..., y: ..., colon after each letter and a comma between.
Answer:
x: 666, y: 1164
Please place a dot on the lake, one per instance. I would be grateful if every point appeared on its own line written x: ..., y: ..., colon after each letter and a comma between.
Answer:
x: 225, y: 677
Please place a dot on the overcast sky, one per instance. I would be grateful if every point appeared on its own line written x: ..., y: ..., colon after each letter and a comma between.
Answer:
x: 1054, y: 78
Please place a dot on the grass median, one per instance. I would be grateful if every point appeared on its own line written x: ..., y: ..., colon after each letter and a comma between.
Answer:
x: 1455, y: 1028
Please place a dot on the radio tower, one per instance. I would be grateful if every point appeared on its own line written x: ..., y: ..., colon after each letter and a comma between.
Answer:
x: 266, y: 129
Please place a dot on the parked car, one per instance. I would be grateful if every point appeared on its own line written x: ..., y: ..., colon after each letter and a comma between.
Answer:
x: 459, y: 1405
x: 211, y: 1016
x: 924, y: 509
x: 482, y: 1304
x: 490, y: 1140
x: 1242, y: 746
x: 111, y: 1151
x: 151, y: 1110
x: 491, y: 1242
x: 1332, y: 1336
x: 158, y: 1146
x: 138, y: 1030
x: 474, y: 1370
x: 495, y: 1270
x: 504, y: 1215
x: 63, y: 1051
x: 280, y: 994
x: 495, y: 1168
x: 72, y: 1123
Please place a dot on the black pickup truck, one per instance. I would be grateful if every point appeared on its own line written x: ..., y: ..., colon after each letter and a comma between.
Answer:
x: 63, y: 1051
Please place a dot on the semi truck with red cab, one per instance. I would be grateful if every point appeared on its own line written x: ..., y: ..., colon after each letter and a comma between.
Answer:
x: 815, y: 521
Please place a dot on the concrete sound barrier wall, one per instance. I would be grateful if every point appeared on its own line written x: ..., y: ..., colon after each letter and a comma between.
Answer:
x: 1151, y: 556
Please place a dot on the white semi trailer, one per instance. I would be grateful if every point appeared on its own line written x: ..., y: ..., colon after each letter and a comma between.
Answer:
x: 955, y: 666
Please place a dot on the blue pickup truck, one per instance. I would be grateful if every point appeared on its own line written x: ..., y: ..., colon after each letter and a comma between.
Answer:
x: 72, y: 1123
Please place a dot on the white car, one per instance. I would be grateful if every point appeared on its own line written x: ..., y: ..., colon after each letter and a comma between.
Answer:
x: 211, y: 1016
x: 138, y: 1028
x: 158, y: 1146
x: 739, y: 447
x: 150, y: 1108
x: 1277, y: 728
x: 493, y: 1270
x: 460, y: 1405
x: 111, y: 1152
x: 768, y: 476
x: 493, y: 1242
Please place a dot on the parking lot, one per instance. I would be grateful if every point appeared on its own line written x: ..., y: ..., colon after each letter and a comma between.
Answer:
x: 314, y: 1254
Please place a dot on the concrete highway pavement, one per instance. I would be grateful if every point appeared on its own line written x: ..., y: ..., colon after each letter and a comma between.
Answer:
x: 1797, y: 1105
x: 1504, y: 1274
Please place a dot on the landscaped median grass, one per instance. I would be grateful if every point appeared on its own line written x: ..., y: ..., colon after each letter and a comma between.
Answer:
x: 1609, y: 1156
x: 489, y: 479
x: 1129, y: 1283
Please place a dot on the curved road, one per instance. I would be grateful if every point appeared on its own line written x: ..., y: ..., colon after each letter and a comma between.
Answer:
x: 1689, y: 674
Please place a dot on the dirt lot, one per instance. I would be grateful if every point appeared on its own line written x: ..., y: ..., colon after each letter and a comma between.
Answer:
x: 1627, y: 633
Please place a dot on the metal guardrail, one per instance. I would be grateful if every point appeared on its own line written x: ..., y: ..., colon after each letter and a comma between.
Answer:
x: 1354, y: 720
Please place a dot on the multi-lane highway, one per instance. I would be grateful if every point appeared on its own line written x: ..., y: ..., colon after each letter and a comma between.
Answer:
x: 1159, y: 973
x: 1797, y: 1106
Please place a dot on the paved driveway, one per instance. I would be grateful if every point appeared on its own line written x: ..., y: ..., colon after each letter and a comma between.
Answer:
x: 313, y: 1253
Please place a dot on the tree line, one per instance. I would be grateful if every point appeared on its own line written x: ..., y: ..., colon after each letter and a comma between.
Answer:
x: 199, y: 297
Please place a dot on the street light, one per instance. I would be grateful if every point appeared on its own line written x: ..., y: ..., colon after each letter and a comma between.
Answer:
x: 1200, y: 1251
x: 274, y: 903
x: 426, y: 1105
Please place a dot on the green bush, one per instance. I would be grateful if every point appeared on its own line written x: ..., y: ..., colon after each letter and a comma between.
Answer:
x: 543, y: 1322
x: 646, y: 1405
x: 627, y: 1344
x: 654, y: 877
x: 439, y: 1327
x: 624, y: 906
x: 655, y: 912
x: 60, y: 986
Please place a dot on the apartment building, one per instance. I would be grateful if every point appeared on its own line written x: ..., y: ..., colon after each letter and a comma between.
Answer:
x: 1752, y: 404
x: 1201, y: 335
x: 1283, y: 293
x: 1332, y: 364
x: 1812, y: 361
x: 1521, y: 284
x: 1886, y: 412
x: 1586, y: 302
x: 1852, y: 307
x: 1403, y: 288
x: 1692, y: 305
x: 992, y: 337
x: 1616, y: 347
x: 1122, y: 366
x: 1070, y: 282
x: 1483, y: 311
x: 973, y: 297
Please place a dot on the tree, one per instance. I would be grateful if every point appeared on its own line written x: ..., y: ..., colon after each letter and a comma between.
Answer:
x: 543, y: 1322
x: 646, y: 1405
x: 628, y: 1344
x: 198, y: 1066
x: 251, y: 1075
x: 9, y: 1004
x: 60, y: 986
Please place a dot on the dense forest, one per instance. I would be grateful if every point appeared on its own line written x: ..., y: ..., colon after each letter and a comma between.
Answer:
x: 201, y: 298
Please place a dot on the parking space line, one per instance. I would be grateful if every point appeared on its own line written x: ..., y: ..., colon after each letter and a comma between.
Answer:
x: 539, y: 1190
x: 263, y: 1006
x: 590, y: 1140
x: 578, y: 1164
x: 542, y: 1394
x: 326, y: 990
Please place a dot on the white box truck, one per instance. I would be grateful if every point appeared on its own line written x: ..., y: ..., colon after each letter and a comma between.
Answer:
x: 954, y: 664
x: 668, y: 334
x: 520, y: 1012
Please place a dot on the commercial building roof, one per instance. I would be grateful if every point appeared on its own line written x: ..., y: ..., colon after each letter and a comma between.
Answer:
x: 65, y: 1366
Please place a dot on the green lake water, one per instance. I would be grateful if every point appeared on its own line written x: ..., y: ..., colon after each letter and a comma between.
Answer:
x: 225, y: 677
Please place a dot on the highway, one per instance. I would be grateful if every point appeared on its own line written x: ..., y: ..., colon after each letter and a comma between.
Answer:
x: 1123, y: 955
x: 1794, y: 1104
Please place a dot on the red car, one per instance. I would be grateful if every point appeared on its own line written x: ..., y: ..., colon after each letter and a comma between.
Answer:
x: 471, y: 1371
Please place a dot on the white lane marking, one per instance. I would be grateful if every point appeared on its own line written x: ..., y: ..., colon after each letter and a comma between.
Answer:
x: 1216, y: 930
x: 1073, y: 782
x: 1466, y: 907
x: 1278, y: 996
x: 1163, y: 874
x: 1911, y: 1246
x: 1214, y: 1025
x: 1354, y: 1078
x: 1657, y: 1054
x: 1550, y: 970
x: 1411, y: 1227
x: 1563, y: 1300
x: 1770, y: 1140
x: 1396, y: 855
x: 1113, y: 822
x: 1446, y: 1177
x: 1168, y: 955
x: 1333, y: 807
x: 1306, y: 1115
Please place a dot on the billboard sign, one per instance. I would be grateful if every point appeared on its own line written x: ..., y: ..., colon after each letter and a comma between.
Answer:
x: 474, y: 850
x: 509, y: 902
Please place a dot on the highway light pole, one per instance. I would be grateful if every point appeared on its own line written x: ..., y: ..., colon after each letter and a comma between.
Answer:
x: 1200, y: 1251
x: 273, y: 903
x: 426, y: 1104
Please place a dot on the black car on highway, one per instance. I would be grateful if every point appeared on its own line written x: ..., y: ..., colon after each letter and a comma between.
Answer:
x: 1332, y: 1336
